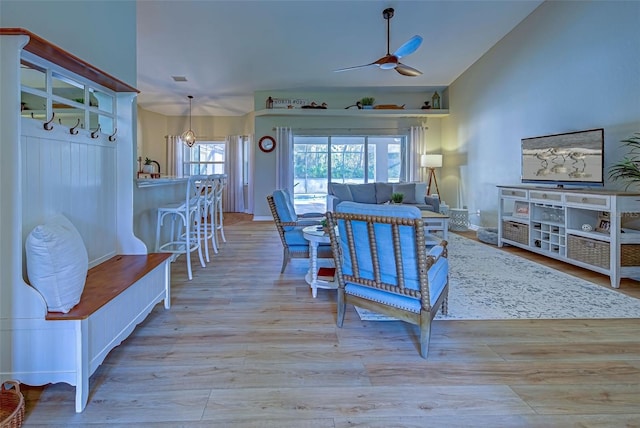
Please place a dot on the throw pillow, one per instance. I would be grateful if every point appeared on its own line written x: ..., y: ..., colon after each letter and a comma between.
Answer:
x: 408, y: 190
x: 421, y: 191
x: 340, y: 191
x: 57, y: 263
x: 383, y: 192
x: 363, y: 193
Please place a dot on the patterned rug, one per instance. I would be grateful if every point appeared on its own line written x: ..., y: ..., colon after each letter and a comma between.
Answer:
x: 487, y: 283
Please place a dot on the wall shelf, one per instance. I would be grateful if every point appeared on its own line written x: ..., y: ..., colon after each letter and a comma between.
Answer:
x: 378, y: 113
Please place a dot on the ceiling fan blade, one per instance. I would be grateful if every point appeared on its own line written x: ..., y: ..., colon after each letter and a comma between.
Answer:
x: 354, y: 68
x: 407, y: 71
x: 409, y: 47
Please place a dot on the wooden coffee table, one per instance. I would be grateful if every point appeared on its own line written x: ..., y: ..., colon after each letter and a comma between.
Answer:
x: 435, y: 223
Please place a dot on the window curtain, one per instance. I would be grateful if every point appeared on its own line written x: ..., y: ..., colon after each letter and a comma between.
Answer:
x: 233, y: 194
x: 284, y: 158
x: 175, y: 156
x: 417, y: 148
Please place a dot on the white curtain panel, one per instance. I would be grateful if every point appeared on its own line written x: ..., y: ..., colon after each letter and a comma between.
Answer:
x: 233, y: 194
x: 175, y: 153
x: 417, y: 147
x: 284, y: 158
x: 252, y: 158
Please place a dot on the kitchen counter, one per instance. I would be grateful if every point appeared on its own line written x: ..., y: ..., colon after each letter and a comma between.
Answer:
x: 163, y: 181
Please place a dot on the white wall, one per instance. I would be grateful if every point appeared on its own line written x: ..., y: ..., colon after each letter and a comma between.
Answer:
x: 569, y: 66
x: 100, y: 32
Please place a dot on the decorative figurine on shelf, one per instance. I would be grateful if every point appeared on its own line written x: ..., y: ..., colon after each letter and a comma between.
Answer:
x: 435, y: 100
x: 316, y: 106
x: 357, y: 105
x: 426, y: 106
x: 269, y: 103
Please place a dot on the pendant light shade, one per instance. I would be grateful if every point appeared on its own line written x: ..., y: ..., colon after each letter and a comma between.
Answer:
x: 189, y: 137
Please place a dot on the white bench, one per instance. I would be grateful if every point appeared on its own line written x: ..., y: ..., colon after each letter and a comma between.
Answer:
x: 118, y: 295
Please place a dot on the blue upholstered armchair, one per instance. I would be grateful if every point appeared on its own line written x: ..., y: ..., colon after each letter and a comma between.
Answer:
x: 290, y: 225
x: 383, y: 265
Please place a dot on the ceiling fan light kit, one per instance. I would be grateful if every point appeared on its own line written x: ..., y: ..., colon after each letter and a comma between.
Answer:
x: 391, y: 61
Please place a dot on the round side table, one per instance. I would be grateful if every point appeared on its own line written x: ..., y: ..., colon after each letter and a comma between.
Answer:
x: 458, y: 219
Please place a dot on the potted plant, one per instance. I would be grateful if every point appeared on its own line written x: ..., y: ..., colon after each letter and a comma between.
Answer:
x: 628, y: 169
x: 397, y: 198
x: 367, y: 102
x: 325, y: 225
x: 148, y: 168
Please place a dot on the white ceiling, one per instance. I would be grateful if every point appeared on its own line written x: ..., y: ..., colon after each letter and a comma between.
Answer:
x: 227, y: 50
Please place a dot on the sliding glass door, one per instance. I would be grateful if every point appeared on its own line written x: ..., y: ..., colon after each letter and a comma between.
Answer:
x: 319, y: 160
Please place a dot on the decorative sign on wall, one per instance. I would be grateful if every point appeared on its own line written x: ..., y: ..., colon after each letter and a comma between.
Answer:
x: 289, y: 102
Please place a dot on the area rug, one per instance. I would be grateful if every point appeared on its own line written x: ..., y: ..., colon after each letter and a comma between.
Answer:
x: 486, y: 283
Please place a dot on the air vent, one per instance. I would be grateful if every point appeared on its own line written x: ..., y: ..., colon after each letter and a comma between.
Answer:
x: 179, y: 78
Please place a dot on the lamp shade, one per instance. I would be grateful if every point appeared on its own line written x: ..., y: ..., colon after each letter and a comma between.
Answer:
x: 431, y: 161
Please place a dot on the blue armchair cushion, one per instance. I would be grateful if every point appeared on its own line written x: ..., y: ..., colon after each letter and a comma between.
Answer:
x: 365, y: 193
x: 384, y: 243
x: 283, y: 207
x: 437, y: 276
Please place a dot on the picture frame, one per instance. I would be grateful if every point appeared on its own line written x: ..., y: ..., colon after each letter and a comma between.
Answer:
x: 604, y: 225
x: 521, y: 209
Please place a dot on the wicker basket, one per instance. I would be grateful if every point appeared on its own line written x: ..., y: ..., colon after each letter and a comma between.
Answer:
x: 590, y: 251
x: 630, y: 255
x: 11, y: 406
x: 516, y: 232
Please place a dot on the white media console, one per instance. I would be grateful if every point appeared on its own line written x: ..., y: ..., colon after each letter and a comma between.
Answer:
x: 595, y: 229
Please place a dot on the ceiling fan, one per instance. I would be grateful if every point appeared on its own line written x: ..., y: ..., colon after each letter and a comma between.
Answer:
x: 391, y: 61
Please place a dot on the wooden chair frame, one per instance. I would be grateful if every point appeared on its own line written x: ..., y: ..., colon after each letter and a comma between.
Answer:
x: 425, y: 262
x: 288, y: 253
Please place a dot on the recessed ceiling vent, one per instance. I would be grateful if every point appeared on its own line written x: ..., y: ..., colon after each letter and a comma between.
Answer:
x: 179, y: 78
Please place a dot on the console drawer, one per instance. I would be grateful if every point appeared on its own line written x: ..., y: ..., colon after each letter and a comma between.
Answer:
x: 514, y: 193
x: 601, y: 203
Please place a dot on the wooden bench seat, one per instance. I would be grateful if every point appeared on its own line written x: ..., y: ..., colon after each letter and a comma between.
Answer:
x: 107, y: 280
x: 118, y: 295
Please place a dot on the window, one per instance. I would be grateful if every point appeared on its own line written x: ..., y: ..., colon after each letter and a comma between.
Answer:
x: 319, y: 160
x: 204, y: 158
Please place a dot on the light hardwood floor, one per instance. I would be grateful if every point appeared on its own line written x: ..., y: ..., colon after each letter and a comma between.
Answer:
x: 246, y: 346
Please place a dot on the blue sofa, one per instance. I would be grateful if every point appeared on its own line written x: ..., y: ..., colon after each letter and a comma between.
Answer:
x: 380, y: 193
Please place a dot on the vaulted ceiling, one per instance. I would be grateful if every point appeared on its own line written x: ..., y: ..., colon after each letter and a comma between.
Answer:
x: 227, y: 50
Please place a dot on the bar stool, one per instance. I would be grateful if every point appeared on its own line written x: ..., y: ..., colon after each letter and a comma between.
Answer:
x: 207, y: 227
x: 184, y: 237
x: 218, y: 216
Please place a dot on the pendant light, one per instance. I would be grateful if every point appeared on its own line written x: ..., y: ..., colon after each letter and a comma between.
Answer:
x: 189, y: 137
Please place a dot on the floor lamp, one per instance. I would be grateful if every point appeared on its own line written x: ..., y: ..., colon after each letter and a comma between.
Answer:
x: 432, y: 162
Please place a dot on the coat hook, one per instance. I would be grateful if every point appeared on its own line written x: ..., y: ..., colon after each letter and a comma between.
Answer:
x: 73, y: 130
x: 112, y: 137
x: 94, y: 134
x: 47, y: 125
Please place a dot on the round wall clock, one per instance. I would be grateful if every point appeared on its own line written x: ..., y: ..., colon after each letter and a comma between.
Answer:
x: 267, y: 144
